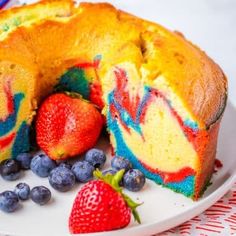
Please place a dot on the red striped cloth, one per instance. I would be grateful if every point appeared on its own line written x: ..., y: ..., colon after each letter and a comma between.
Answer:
x: 220, y: 219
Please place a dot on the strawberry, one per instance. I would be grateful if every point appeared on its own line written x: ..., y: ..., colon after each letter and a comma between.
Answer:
x: 96, y: 94
x: 102, y: 206
x: 67, y: 125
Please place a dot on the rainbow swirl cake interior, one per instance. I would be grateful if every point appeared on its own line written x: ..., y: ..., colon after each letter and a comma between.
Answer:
x: 162, y: 97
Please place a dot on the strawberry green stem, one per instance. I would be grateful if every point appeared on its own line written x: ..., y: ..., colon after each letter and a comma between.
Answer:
x: 113, y: 181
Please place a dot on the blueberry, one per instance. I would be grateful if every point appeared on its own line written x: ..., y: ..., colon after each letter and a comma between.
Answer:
x: 24, y: 159
x: 65, y: 165
x: 119, y: 163
x: 9, y: 201
x: 22, y: 190
x: 110, y: 171
x: 134, y: 180
x: 62, y: 179
x: 83, y: 171
x: 96, y: 158
x: 40, y: 195
x: 10, y: 169
x: 41, y: 165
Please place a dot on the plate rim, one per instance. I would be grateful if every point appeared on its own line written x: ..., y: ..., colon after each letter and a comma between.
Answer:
x: 155, y: 227
x: 185, y: 215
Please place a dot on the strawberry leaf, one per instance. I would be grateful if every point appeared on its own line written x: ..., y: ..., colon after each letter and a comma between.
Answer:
x: 132, y: 205
x: 113, y: 181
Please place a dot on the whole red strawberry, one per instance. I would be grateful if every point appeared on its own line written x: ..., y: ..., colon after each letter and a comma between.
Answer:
x: 67, y: 125
x: 101, y: 206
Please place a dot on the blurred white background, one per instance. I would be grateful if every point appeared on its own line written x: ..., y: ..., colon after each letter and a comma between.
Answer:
x: 210, y: 24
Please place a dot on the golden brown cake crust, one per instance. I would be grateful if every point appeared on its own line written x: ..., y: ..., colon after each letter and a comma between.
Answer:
x: 44, y: 3
x: 118, y: 36
x: 195, y: 77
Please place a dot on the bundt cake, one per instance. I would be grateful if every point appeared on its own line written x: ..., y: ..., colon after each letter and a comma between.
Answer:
x: 163, y: 98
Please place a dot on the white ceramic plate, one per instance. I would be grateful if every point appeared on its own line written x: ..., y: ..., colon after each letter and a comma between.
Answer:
x: 162, y: 208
